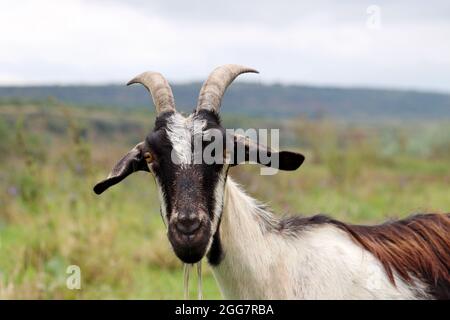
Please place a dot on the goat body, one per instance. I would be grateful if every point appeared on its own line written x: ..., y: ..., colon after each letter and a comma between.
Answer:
x: 320, y: 258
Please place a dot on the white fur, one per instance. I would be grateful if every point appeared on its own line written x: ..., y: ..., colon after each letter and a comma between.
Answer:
x: 181, y: 132
x: 321, y: 262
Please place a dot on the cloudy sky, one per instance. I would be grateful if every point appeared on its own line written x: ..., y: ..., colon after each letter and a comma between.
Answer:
x: 399, y: 44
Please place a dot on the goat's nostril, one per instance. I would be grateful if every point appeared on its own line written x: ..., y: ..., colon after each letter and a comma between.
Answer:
x: 187, y: 226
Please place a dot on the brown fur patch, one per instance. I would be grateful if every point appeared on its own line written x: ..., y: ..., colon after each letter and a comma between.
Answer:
x: 418, y: 247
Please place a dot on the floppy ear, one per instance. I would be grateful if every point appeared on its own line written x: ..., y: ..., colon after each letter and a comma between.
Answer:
x: 287, y: 160
x: 131, y: 162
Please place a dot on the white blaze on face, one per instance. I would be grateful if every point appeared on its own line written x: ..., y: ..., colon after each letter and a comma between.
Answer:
x: 183, y: 133
x: 179, y: 131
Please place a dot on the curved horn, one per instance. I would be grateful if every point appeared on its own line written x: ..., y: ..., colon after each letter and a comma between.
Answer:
x: 214, y: 87
x: 159, y: 89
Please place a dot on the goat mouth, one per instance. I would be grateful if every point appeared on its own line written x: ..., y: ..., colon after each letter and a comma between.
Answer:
x: 189, y: 235
x: 190, y: 248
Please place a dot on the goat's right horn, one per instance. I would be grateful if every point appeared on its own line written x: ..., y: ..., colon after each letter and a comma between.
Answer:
x: 159, y: 89
x: 213, y: 89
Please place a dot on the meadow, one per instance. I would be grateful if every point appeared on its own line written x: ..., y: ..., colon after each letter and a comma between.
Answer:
x: 52, y: 154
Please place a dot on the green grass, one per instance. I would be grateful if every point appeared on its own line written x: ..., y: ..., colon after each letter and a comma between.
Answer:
x: 50, y: 158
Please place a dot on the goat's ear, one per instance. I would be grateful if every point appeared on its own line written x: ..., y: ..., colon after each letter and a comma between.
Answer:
x: 131, y: 162
x: 251, y: 150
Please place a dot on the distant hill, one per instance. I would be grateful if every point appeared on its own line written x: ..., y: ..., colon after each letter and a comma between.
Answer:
x: 258, y: 99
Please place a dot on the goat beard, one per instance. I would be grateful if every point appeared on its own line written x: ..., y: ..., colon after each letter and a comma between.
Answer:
x: 187, y: 268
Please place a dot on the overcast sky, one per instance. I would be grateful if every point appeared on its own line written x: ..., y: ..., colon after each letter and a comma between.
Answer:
x: 399, y: 44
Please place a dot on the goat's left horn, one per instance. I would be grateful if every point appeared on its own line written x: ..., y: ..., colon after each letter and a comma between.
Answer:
x: 213, y: 89
x: 159, y: 89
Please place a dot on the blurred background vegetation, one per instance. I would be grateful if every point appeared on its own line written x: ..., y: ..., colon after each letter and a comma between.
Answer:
x: 52, y: 152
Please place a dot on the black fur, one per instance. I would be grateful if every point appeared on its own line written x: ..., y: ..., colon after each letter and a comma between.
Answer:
x: 297, y: 224
x: 188, y: 190
x: 215, y: 254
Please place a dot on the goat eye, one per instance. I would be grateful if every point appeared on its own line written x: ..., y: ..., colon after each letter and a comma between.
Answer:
x: 148, y: 157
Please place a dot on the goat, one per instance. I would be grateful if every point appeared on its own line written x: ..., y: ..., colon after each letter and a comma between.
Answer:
x: 254, y: 254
